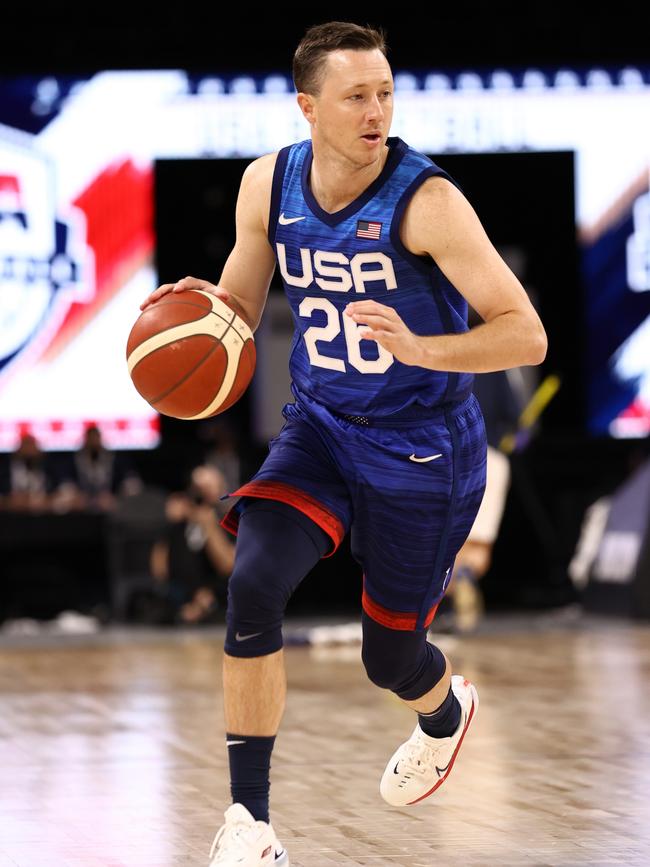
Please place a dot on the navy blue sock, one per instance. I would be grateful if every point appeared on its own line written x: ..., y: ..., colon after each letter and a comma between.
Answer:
x: 250, y: 763
x: 443, y: 722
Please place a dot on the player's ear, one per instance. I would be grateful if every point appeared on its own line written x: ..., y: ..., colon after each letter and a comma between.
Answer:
x: 306, y: 103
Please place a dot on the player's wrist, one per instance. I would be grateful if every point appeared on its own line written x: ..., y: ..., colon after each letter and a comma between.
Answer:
x: 423, y: 352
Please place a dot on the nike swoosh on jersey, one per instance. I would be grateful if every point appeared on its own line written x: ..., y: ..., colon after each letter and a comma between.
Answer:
x: 285, y: 221
x: 239, y: 637
x: 424, y: 460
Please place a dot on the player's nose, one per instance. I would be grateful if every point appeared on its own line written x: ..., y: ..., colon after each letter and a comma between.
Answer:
x: 375, y: 109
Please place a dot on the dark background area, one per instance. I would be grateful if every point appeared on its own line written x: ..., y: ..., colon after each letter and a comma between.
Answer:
x: 519, y: 199
x: 241, y: 38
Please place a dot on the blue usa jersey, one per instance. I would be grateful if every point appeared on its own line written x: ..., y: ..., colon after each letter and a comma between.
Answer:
x: 327, y: 260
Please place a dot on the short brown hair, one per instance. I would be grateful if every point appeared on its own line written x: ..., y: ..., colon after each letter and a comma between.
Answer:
x: 311, y: 54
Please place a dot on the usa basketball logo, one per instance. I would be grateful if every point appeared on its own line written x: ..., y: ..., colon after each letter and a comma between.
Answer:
x: 42, y: 257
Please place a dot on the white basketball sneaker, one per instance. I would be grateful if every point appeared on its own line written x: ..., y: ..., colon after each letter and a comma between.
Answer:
x: 245, y: 842
x: 423, y: 763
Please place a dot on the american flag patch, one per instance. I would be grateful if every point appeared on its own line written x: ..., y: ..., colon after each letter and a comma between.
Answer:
x: 368, y: 230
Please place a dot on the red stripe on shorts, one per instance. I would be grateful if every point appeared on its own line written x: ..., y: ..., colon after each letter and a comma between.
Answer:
x: 307, y: 504
x: 393, y: 619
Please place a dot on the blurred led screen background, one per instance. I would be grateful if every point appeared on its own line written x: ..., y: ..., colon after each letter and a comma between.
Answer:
x: 78, y: 203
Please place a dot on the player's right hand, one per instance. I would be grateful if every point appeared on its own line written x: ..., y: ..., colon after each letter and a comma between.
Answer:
x: 183, y: 284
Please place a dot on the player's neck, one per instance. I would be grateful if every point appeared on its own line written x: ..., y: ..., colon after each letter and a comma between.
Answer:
x: 335, y: 181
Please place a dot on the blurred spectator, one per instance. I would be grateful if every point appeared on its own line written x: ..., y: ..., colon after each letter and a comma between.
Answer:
x: 27, y: 483
x: 97, y: 476
x: 196, y: 555
x: 501, y: 406
x: 222, y: 452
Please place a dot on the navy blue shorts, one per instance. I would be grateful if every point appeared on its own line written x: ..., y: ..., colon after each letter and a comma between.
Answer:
x: 409, y: 493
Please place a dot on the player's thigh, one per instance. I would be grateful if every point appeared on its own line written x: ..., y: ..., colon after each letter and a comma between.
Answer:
x: 412, y: 515
x: 299, y: 470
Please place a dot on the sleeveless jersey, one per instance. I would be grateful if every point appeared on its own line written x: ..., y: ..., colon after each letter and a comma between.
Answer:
x: 329, y: 259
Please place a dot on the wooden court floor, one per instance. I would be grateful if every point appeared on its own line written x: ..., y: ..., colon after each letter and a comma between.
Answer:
x: 112, y: 752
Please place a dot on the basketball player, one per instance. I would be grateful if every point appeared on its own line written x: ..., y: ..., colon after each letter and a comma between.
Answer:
x: 379, y: 252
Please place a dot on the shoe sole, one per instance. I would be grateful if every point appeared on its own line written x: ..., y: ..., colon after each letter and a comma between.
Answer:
x: 470, y: 718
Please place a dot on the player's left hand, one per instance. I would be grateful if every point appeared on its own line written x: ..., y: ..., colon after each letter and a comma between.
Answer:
x: 386, y: 327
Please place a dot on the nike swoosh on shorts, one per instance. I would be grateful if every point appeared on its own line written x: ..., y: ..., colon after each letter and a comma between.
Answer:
x: 239, y: 637
x: 424, y: 460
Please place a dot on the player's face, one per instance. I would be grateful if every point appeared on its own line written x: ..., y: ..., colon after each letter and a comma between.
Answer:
x: 354, y: 109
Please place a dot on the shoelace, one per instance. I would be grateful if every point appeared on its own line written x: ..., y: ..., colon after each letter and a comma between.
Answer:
x: 419, y: 756
x: 234, y: 836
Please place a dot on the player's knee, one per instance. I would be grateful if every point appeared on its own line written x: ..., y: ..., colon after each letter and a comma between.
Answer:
x: 387, y: 654
x: 386, y: 666
x: 400, y: 660
x: 255, y: 587
x: 254, y: 613
x: 275, y: 550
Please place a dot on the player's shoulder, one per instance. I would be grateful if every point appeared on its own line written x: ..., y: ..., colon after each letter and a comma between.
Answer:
x: 438, y: 188
x: 436, y: 197
x: 257, y: 185
x: 262, y: 169
x: 436, y: 208
x: 259, y: 172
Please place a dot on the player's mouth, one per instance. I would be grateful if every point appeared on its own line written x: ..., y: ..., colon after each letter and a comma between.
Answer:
x: 372, y: 137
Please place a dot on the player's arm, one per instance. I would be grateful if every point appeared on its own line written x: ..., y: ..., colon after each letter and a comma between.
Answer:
x: 512, y: 333
x: 246, y: 276
x: 441, y: 222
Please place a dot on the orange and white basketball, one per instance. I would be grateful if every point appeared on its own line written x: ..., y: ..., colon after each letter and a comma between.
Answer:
x: 190, y: 355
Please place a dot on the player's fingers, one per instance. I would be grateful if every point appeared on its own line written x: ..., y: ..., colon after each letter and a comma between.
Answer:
x: 369, y: 305
x: 204, y: 285
x: 386, y: 314
x: 181, y: 286
x: 191, y: 283
x: 372, y: 319
x: 156, y: 294
x: 374, y: 335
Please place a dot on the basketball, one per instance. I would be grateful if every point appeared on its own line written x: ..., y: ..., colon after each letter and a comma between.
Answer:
x: 190, y: 355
